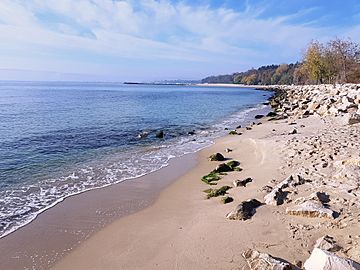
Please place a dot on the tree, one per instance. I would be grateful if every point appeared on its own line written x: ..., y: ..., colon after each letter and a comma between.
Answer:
x: 345, y: 55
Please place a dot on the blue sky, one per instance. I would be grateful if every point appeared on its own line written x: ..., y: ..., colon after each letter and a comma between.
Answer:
x: 161, y: 39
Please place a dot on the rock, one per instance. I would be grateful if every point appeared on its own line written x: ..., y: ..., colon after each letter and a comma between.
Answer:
x: 291, y: 181
x: 227, y: 199
x: 327, y: 243
x: 233, y: 132
x: 248, y: 128
x: 245, y: 210
x: 228, y: 150
x: 275, y: 197
x: 325, y: 260
x: 266, y: 188
x: 292, y: 132
x: 242, y: 183
x: 216, y: 157
x: 191, y: 132
x: 216, y: 192
x: 160, y: 134
x: 227, y: 167
x: 263, y: 261
x: 233, y: 164
x: 354, y: 118
x: 143, y: 134
x: 271, y: 114
x: 222, y: 168
x: 310, y: 209
x: 259, y: 116
x: 210, y: 178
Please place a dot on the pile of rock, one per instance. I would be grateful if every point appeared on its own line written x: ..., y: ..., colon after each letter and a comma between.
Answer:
x: 324, y: 100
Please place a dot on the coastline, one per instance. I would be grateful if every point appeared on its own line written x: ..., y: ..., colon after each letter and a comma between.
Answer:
x: 184, y: 230
x: 180, y: 229
x: 58, y: 230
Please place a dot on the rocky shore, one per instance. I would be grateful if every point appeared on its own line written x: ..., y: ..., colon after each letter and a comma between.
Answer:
x: 323, y: 190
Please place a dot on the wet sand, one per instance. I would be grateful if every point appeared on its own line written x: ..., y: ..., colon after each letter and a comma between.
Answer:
x: 57, y: 231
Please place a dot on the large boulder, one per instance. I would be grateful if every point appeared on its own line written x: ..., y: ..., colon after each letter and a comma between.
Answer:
x: 245, y: 210
x: 263, y: 261
x: 325, y: 260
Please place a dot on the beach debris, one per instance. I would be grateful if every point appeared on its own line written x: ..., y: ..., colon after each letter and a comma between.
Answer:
x: 276, y: 197
x: 310, y: 209
x: 160, y: 134
x: 210, y: 178
x: 228, y: 150
x: 242, y: 183
x: 245, y: 210
x: 216, y: 157
x: 325, y: 260
x: 227, y: 199
x: 216, y: 192
x: 327, y: 243
x: 263, y: 261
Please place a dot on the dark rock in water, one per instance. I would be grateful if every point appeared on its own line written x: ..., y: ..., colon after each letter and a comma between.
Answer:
x: 244, y: 210
x: 191, y: 132
x: 226, y: 128
x: 266, y: 103
x: 259, y: 116
x: 143, y: 134
x: 248, y: 128
x: 160, y: 134
x: 227, y: 199
x: 239, y: 126
x: 233, y: 132
x: 271, y: 114
x: 216, y: 157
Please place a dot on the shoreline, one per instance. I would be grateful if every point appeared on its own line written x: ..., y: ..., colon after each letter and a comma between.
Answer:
x: 184, y: 230
x: 51, y: 235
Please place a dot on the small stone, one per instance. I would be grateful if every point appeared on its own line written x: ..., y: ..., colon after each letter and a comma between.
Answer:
x: 242, y: 183
x: 327, y: 243
x: 216, y: 157
x: 310, y: 209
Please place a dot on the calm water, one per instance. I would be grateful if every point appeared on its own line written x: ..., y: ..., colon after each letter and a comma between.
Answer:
x: 59, y: 139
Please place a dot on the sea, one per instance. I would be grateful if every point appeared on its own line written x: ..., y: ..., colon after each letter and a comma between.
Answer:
x: 58, y: 139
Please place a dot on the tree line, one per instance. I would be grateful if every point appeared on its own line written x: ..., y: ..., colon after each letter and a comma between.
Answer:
x: 337, y: 61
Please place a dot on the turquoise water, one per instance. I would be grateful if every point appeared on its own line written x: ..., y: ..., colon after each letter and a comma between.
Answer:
x: 60, y: 139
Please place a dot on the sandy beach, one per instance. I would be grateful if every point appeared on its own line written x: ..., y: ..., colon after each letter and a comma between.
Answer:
x: 185, y: 230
